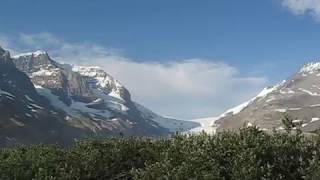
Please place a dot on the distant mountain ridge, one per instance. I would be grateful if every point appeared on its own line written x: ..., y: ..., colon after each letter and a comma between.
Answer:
x: 85, y: 99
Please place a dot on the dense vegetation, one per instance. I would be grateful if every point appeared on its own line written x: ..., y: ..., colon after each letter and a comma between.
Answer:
x: 247, y: 154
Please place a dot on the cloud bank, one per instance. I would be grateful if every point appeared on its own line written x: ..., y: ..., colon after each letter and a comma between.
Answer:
x: 187, y: 88
x: 301, y: 7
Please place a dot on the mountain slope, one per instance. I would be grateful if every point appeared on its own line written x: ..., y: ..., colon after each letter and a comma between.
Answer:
x: 173, y: 125
x: 92, y: 99
x: 298, y: 96
x: 25, y: 116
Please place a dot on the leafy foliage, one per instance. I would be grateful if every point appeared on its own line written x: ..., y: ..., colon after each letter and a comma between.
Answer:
x: 247, y: 154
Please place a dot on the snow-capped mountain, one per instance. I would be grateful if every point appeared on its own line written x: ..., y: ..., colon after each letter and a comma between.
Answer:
x: 25, y: 116
x: 298, y: 96
x: 93, y: 100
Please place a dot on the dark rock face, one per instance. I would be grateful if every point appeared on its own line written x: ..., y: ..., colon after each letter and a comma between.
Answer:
x: 44, y: 72
x: 298, y: 96
x: 25, y: 116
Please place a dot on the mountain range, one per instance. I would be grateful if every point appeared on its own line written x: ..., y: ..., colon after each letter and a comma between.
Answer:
x: 43, y: 101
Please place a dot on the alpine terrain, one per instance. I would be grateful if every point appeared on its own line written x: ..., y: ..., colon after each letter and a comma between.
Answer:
x: 44, y: 101
x: 298, y: 96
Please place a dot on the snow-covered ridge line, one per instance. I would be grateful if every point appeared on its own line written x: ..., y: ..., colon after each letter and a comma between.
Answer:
x: 310, y: 67
x: 262, y: 94
x: 35, y: 54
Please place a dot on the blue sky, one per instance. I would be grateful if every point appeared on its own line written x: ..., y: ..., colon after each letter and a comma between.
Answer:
x: 267, y: 40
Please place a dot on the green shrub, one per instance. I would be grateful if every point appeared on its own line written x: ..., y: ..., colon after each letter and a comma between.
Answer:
x: 247, y: 154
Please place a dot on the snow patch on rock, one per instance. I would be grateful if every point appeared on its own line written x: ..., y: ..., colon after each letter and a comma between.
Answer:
x: 315, y: 119
x: 309, y: 92
x: 281, y: 110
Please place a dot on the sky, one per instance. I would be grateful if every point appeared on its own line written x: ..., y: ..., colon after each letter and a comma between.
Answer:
x: 186, y: 59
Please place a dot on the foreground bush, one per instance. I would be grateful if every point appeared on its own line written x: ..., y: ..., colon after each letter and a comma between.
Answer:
x: 248, y: 154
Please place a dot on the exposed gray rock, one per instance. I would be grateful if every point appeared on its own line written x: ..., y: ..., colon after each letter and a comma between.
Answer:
x: 26, y: 117
x: 298, y: 96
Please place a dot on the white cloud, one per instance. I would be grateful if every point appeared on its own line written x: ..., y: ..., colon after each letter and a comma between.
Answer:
x: 300, y: 7
x: 6, y: 42
x: 189, y: 88
x: 40, y: 40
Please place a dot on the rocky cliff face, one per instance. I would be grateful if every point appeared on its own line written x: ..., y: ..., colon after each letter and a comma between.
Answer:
x: 45, y: 73
x: 25, y: 116
x: 298, y: 96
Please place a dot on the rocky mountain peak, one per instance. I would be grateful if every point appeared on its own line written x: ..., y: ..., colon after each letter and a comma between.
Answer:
x: 37, y: 60
x: 5, y: 59
x: 69, y: 82
x: 104, y: 81
x: 37, y: 53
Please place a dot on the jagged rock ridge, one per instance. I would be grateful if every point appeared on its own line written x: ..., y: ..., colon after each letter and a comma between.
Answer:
x: 25, y: 116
